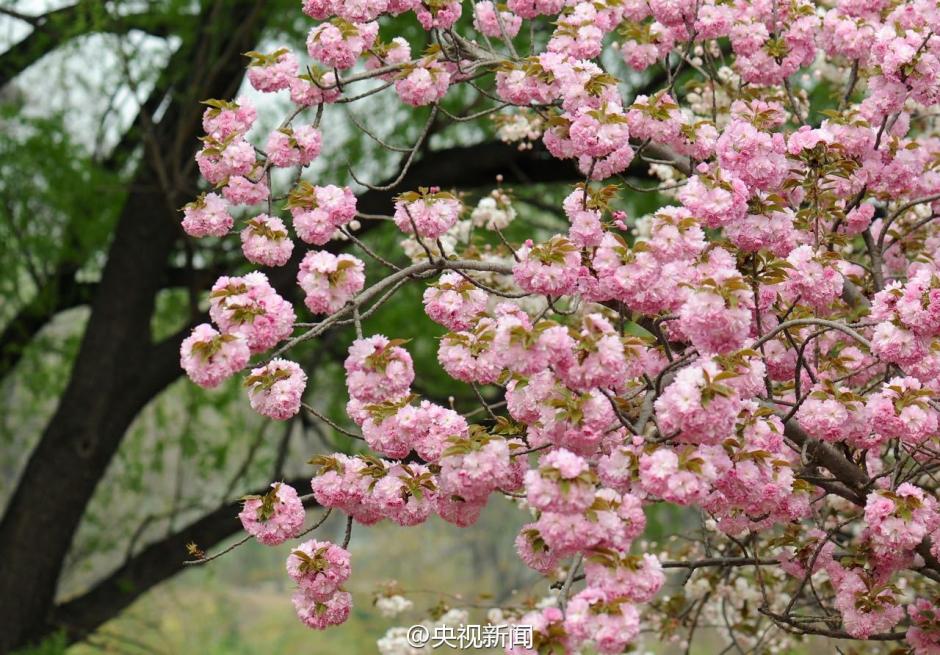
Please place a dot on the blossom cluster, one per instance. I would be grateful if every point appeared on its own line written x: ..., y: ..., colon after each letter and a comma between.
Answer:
x: 319, y: 569
x: 274, y: 517
x: 761, y: 349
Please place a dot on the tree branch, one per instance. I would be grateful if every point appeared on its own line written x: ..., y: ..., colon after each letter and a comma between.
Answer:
x: 104, y: 394
x: 825, y: 455
x: 81, y: 615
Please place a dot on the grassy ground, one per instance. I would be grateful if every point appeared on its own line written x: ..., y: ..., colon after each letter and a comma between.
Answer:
x: 240, y: 604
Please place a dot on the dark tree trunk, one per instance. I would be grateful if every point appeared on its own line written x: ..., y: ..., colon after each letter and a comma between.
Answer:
x: 117, y: 370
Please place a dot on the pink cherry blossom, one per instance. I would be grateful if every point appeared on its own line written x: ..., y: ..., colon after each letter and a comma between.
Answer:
x: 293, y: 146
x: 207, y: 216
x: 209, y: 357
x: 338, y: 43
x: 319, y: 210
x: 276, y: 389
x: 265, y: 241
x: 250, y: 307
x: 274, y: 71
x: 274, y: 517
x: 485, y: 20
x: 378, y: 369
x: 320, y: 615
x: 550, y: 268
x: 319, y: 568
x: 430, y: 212
x: 329, y: 281
x: 222, y: 120
x: 454, y: 302
x: 562, y: 483
x: 608, y: 621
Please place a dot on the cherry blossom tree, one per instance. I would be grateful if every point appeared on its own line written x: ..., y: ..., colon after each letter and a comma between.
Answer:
x: 761, y: 349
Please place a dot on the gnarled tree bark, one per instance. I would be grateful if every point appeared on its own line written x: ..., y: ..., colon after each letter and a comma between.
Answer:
x: 105, y: 392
